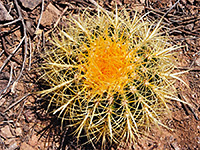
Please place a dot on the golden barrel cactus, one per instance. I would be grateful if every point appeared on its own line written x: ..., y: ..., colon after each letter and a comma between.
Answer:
x: 110, y: 75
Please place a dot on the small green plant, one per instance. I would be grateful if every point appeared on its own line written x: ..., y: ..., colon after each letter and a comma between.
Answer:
x: 110, y: 75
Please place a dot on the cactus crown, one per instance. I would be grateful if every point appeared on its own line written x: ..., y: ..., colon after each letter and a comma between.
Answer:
x: 110, y: 75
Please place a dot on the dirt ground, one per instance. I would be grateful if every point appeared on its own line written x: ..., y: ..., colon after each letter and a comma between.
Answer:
x: 24, y: 29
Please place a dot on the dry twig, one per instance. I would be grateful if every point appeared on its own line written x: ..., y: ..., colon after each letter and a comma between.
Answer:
x: 17, y: 102
x: 9, y: 82
x: 8, y: 53
x: 38, y: 25
x: 25, y: 39
x: 30, y: 55
x: 9, y: 57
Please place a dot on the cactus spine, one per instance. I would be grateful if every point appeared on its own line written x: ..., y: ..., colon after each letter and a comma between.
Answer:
x: 110, y: 75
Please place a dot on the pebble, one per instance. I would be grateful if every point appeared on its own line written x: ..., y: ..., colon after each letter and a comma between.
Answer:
x: 189, y: 27
x: 5, y: 131
x: 13, y: 146
x: 32, y: 99
x: 198, y: 61
x: 191, y: 1
x: 25, y: 146
x: 50, y: 15
x: 4, y: 76
x: 175, y: 145
x: 30, y: 4
x: 18, y: 132
x: 34, y: 140
x: 198, y: 140
x: 2, y: 100
x: 8, y: 141
x: 4, y: 15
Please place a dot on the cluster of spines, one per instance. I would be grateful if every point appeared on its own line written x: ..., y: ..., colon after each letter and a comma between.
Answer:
x: 109, y: 76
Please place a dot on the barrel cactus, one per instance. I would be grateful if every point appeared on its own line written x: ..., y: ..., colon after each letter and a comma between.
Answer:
x: 110, y: 75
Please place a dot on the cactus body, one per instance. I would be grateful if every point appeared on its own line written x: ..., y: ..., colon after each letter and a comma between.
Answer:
x: 110, y: 76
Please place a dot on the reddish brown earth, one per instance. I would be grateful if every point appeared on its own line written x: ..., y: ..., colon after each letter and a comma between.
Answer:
x: 24, y: 123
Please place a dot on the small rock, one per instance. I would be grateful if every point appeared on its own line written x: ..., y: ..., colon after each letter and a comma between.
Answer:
x: 8, y: 141
x: 4, y: 76
x: 198, y: 140
x: 191, y: 1
x: 184, y: 2
x: 50, y: 15
x: 189, y: 27
x: 19, y: 86
x: 18, y: 132
x: 4, y: 15
x: 32, y: 99
x: 2, y: 100
x: 175, y: 145
x: 18, y: 124
x: 30, y: 4
x: 142, y: 1
x: 25, y: 128
x: 13, y: 146
x: 25, y: 146
x: 29, y: 27
x: 29, y: 116
x: 198, y: 61
x: 34, y: 140
x: 3, y: 84
x: 5, y: 131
